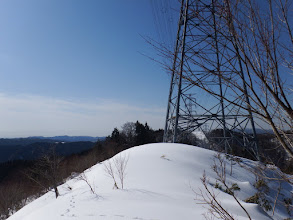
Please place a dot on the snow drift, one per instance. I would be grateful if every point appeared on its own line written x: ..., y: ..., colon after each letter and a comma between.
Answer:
x: 161, y: 183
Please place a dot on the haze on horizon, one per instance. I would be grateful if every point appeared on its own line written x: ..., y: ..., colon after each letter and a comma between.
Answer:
x: 76, y: 67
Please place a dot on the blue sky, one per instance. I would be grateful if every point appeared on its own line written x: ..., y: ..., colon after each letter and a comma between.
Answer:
x: 76, y: 67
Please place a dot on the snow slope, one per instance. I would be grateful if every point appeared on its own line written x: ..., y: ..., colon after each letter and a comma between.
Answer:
x: 161, y: 183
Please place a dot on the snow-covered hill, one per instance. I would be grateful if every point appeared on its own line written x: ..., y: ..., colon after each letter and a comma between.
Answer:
x: 161, y: 183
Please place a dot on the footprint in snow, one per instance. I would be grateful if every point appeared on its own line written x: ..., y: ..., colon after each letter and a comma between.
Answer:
x: 164, y: 157
x: 67, y: 211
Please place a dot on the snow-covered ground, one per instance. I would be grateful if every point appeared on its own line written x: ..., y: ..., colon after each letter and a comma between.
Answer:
x: 161, y: 183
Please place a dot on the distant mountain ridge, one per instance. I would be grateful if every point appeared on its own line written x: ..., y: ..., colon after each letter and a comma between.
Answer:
x: 33, y: 147
x: 34, y: 139
x: 66, y: 138
x: 36, y: 150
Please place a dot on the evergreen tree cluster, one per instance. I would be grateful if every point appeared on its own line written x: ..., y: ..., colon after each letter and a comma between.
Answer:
x: 134, y: 134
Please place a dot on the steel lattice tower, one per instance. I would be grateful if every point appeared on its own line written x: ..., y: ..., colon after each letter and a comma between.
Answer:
x: 203, y: 56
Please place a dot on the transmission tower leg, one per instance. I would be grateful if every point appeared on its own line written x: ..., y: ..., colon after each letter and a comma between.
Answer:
x: 180, y: 72
x: 180, y: 45
x: 172, y: 84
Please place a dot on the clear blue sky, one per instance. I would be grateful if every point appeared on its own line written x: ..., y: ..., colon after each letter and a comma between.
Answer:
x: 75, y: 67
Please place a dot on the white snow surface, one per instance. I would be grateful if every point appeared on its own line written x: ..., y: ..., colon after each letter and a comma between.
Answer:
x: 161, y: 183
x: 199, y: 134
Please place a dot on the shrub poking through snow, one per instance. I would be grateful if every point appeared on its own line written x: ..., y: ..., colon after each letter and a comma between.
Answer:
x: 232, y: 189
x: 120, y: 163
x: 116, y: 168
x: 258, y: 198
x: 109, y: 169
x: 229, y: 190
x: 91, y: 185
x: 288, y: 205
x: 209, y: 197
x: 261, y: 185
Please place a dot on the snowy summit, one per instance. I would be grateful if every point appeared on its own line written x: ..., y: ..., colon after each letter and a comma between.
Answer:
x: 162, y: 181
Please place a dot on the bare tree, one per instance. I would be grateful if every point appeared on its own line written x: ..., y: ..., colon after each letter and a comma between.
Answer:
x: 12, y: 198
x: 117, y: 167
x: 208, y: 197
x: 109, y: 169
x: 120, y: 163
x: 91, y: 185
x: 128, y: 130
x: 219, y: 168
x: 45, y: 172
x: 258, y: 37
